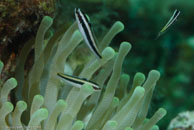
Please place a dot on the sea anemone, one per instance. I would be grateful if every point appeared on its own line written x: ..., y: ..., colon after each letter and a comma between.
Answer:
x: 53, y: 104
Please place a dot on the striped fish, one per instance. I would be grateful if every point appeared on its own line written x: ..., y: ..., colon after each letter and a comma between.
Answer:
x: 170, y: 22
x: 78, y: 82
x: 85, y: 29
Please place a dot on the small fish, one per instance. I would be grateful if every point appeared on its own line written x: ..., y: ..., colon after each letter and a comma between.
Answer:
x: 170, y: 22
x: 85, y: 29
x: 78, y: 82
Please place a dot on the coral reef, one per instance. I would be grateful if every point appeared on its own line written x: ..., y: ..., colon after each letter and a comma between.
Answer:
x: 53, y: 104
x: 26, y: 15
x: 19, y: 21
x: 184, y: 121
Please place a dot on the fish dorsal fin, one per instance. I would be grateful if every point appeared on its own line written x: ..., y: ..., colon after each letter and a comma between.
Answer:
x: 87, y: 18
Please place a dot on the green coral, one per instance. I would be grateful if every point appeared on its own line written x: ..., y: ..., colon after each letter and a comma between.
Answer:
x: 56, y: 105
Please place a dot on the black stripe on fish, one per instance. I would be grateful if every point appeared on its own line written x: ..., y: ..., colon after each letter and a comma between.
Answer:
x: 79, y: 81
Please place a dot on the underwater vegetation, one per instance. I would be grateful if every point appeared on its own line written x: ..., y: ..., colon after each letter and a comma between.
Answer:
x: 45, y: 101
